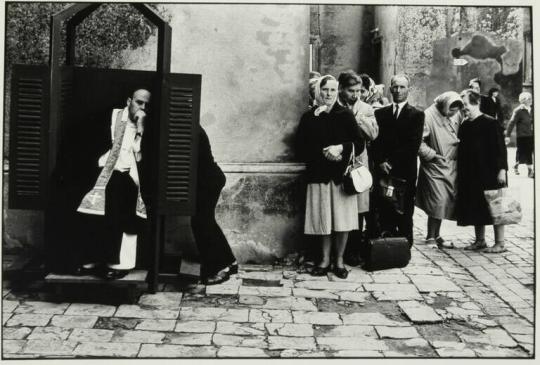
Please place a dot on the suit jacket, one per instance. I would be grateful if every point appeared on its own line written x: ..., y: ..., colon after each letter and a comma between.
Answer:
x: 398, y: 141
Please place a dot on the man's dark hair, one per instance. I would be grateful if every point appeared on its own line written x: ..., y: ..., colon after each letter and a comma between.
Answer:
x: 473, y: 96
x: 349, y: 78
x: 493, y: 90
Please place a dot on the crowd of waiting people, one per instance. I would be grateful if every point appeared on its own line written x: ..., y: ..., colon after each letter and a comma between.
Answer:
x: 460, y: 141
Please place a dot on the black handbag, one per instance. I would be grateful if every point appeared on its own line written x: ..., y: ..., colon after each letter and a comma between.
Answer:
x: 386, y: 253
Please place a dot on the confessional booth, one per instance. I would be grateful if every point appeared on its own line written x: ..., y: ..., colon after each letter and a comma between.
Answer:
x: 56, y: 110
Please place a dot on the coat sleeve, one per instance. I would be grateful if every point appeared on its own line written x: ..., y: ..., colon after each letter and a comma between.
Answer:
x: 357, y: 139
x: 368, y: 124
x: 499, y: 146
x: 425, y: 152
x: 413, y: 138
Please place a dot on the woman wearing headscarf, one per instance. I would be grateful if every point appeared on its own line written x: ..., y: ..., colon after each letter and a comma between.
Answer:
x: 436, y: 188
x: 325, y: 139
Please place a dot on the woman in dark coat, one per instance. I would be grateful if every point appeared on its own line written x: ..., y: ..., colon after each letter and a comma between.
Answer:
x: 325, y: 139
x: 217, y: 259
x: 482, y: 165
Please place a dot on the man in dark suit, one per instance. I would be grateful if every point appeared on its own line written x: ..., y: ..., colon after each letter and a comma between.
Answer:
x: 395, y: 154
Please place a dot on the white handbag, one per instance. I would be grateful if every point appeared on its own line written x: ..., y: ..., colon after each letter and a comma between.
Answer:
x: 357, y: 177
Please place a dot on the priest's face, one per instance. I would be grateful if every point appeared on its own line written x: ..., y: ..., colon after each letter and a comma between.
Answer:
x: 138, y: 102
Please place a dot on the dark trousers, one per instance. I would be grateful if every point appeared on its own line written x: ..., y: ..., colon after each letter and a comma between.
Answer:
x: 103, y: 234
x: 394, y: 223
x: 214, y: 250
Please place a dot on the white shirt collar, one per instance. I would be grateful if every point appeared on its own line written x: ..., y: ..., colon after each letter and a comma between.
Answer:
x: 400, y: 105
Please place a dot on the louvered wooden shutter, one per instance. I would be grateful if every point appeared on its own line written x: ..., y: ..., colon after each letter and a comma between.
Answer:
x: 178, y: 144
x: 29, y: 124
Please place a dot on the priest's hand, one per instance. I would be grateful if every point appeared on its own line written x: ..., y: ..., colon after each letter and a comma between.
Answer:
x: 140, y: 117
x: 501, y: 177
x: 385, y: 167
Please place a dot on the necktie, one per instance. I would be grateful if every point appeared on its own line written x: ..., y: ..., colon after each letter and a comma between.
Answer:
x: 396, y: 112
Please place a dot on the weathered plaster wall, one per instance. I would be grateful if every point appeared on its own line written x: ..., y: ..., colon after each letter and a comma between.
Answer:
x: 254, y: 62
x: 254, y: 65
x: 341, y: 31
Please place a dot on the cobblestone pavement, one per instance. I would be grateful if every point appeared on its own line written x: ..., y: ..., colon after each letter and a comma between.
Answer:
x: 445, y: 303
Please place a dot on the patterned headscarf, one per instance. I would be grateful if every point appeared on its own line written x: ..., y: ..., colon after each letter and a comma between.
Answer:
x: 446, y: 99
x: 322, y: 106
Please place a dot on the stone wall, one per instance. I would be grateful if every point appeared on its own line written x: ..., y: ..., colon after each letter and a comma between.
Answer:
x: 254, y: 65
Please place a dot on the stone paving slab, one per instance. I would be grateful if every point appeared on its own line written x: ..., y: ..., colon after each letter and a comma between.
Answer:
x: 29, y: 319
x: 74, y: 321
x: 195, y: 326
x: 50, y: 333
x: 176, y: 351
x: 107, y: 349
x: 38, y: 307
x: 240, y: 341
x: 136, y: 311
x: 156, y: 325
x: 231, y: 351
x: 232, y: 328
x: 15, y: 333
x: 89, y: 309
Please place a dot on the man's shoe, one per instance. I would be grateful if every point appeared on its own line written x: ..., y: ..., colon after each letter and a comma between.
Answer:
x: 113, y: 274
x: 218, y: 278
x: 83, y: 271
x: 531, y: 174
x: 516, y: 170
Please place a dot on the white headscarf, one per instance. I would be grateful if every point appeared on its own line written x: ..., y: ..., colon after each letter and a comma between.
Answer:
x: 323, y: 107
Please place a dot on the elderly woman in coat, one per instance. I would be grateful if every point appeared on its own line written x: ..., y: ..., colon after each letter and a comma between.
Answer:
x: 436, y: 189
x: 325, y: 139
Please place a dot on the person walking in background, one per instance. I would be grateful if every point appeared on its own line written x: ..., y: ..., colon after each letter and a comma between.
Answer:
x: 522, y: 119
x: 325, y: 139
x: 493, y: 106
x: 395, y: 154
x: 482, y: 165
x: 436, y: 190
x: 350, y: 86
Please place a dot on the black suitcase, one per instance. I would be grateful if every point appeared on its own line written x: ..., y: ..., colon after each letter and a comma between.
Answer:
x: 386, y: 253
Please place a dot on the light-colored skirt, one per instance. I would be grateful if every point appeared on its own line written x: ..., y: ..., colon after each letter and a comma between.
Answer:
x: 329, y: 208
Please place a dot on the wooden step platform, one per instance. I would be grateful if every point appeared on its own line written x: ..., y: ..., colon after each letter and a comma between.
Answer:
x: 133, y: 278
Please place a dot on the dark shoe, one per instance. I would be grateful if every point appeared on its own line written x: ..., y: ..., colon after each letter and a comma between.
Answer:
x: 341, y: 272
x: 320, y: 271
x: 83, y: 271
x: 113, y: 274
x: 516, y: 170
x: 233, y: 269
x: 531, y: 174
x: 218, y: 278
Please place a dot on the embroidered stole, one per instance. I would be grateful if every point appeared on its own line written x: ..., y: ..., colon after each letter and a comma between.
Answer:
x: 94, y: 201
